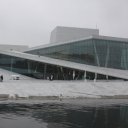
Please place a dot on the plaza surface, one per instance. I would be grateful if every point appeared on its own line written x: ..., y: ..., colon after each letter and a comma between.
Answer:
x: 27, y: 87
x: 64, y: 89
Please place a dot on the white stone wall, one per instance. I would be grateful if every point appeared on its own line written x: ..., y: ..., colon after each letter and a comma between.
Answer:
x: 64, y: 34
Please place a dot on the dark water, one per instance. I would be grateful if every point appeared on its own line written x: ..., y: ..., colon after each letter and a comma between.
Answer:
x: 65, y: 114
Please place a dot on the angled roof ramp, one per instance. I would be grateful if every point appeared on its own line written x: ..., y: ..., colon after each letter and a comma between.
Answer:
x: 45, y: 67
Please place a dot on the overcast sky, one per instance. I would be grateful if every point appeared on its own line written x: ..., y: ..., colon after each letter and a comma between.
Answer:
x: 30, y: 22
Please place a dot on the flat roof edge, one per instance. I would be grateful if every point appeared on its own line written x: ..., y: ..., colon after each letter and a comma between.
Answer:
x: 81, y: 39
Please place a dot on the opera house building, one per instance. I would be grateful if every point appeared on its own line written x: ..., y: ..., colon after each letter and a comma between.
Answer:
x: 72, y: 54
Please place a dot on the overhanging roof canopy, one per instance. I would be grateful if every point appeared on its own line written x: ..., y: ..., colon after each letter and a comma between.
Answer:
x: 100, y: 70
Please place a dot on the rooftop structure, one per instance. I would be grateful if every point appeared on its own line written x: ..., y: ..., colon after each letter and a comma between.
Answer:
x: 65, y: 34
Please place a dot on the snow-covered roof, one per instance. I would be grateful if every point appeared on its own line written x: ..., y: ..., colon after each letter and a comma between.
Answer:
x: 100, y: 70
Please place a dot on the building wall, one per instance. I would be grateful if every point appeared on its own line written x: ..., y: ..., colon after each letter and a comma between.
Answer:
x: 39, y: 70
x: 97, y: 52
x: 19, y: 48
x: 64, y: 34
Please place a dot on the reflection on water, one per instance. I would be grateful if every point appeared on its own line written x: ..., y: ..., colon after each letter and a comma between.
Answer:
x: 62, y: 115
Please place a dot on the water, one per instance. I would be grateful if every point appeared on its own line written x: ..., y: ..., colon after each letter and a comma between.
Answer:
x: 64, y: 114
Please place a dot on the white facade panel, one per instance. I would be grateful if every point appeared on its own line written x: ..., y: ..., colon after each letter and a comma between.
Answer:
x: 64, y: 34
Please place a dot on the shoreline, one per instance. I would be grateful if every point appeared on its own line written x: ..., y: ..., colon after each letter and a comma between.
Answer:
x: 4, y: 97
x: 71, y: 102
x: 59, y: 90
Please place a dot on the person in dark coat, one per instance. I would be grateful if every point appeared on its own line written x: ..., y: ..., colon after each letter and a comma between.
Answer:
x: 1, y: 78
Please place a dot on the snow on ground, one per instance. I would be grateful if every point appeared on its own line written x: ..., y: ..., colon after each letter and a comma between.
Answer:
x: 63, y: 89
x: 27, y: 86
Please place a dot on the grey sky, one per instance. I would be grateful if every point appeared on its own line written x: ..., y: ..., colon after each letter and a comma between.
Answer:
x: 30, y: 22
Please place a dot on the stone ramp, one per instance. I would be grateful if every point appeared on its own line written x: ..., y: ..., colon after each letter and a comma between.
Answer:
x: 7, y: 75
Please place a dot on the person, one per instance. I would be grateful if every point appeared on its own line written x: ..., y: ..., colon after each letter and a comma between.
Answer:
x: 1, y: 78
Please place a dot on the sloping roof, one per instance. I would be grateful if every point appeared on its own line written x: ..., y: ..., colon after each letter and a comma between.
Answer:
x: 82, y: 39
x: 106, y: 71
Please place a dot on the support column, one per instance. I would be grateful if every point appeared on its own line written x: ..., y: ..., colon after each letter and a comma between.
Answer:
x: 97, y: 57
x: 85, y: 75
x: 74, y: 74
x: 95, y: 77
x: 61, y: 69
x: 107, y: 77
x: 28, y: 67
x: 36, y: 67
x: 11, y: 63
x: 107, y: 56
x: 45, y: 70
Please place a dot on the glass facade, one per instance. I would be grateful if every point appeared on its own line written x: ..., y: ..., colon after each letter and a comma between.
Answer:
x: 38, y: 70
x: 96, y: 52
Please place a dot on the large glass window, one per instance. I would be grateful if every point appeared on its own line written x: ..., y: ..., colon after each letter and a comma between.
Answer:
x: 81, y: 52
x: 38, y: 69
x: 99, y: 52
